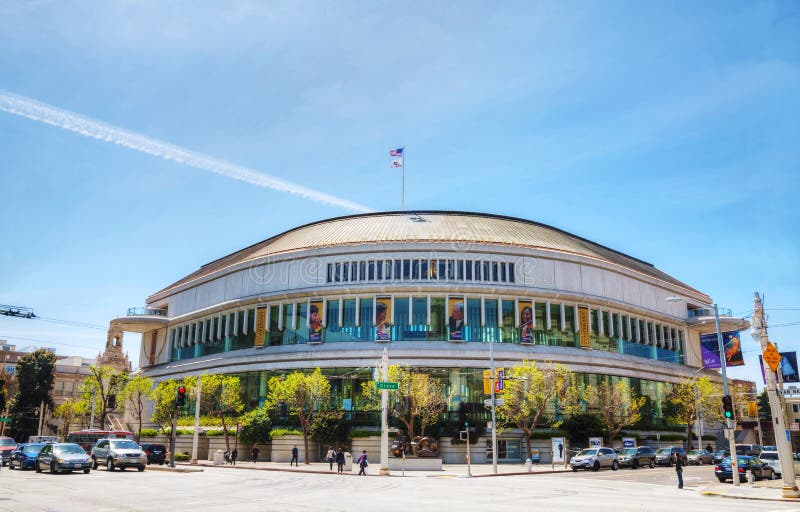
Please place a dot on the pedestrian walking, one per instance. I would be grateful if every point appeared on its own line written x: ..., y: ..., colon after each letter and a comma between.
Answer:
x: 708, y: 448
x: 679, y: 470
x: 362, y: 463
x: 234, y: 454
x: 330, y: 457
x: 254, y: 453
x: 340, y: 461
x: 294, y: 456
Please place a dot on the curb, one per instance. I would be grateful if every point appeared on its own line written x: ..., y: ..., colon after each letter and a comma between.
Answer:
x: 742, y: 497
x: 176, y: 469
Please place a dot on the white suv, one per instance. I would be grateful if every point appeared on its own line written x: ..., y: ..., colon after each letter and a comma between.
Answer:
x: 118, y: 453
x: 772, y: 459
x: 594, y: 459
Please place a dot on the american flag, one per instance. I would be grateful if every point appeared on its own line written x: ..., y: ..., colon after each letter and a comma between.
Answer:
x: 396, y: 152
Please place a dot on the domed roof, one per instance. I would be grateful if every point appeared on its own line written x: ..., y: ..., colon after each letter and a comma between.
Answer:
x: 462, y: 229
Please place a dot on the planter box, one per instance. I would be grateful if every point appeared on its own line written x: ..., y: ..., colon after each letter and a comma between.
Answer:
x: 282, y: 449
x: 415, y: 464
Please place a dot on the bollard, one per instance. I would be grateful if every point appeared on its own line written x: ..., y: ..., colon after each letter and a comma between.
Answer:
x: 751, y: 478
x: 528, y: 465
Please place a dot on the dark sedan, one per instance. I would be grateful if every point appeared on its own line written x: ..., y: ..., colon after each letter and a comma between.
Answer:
x: 24, y: 456
x: 60, y: 457
x: 759, y: 469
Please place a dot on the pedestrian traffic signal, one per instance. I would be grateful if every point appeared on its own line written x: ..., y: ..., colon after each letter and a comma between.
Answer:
x: 181, y: 400
x: 727, y: 407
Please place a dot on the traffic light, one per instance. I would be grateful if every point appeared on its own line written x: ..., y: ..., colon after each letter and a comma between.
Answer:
x: 727, y: 407
x: 181, y: 400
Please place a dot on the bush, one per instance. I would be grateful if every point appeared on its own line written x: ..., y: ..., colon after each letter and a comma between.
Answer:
x: 149, y: 432
x: 281, y: 432
x: 182, y: 457
x: 547, y: 434
x: 210, y: 421
x: 256, y: 426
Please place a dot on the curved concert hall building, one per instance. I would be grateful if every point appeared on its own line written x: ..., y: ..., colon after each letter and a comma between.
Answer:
x: 435, y: 288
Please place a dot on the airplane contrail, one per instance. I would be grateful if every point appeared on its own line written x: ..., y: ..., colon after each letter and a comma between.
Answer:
x: 48, y: 114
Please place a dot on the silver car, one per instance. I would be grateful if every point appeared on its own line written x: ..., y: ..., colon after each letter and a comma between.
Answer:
x: 594, y: 459
x: 60, y: 457
x: 700, y: 457
x: 118, y: 453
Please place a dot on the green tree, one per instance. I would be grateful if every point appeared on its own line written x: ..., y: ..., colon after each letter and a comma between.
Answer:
x: 164, y: 403
x: 764, y: 410
x: 690, y: 397
x: 71, y: 411
x: 418, y: 402
x: 256, y: 426
x: 329, y: 428
x: 135, y: 394
x: 530, y: 396
x: 221, y: 396
x: 304, y: 394
x: 35, y: 373
x: 618, y: 406
x: 103, y: 385
x: 580, y: 427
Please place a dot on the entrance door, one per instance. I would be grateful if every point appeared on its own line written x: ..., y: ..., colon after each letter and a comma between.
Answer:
x: 508, y: 450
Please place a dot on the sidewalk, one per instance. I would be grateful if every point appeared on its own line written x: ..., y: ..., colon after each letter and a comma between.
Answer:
x: 448, y: 470
x: 769, y: 490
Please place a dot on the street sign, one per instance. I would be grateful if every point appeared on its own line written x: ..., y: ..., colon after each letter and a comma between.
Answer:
x: 386, y: 385
x: 497, y: 401
x: 789, y: 391
x: 5, y: 420
x: 772, y: 357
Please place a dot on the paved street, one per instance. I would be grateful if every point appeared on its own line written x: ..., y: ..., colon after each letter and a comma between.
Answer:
x: 227, y: 488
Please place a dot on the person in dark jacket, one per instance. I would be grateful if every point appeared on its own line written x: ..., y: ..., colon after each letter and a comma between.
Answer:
x: 679, y: 470
x: 340, y: 461
x: 362, y: 463
x: 234, y: 455
x: 254, y: 453
x: 294, y: 456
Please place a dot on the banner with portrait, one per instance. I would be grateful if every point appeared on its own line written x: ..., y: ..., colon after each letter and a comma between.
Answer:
x: 261, y: 326
x: 383, y: 319
x: 709, y: 348
x: 456, y: 319
x: 525, y: 321
x: 315, y: 322
x: 788, y: 366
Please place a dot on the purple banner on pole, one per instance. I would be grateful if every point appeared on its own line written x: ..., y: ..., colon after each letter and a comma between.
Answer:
x: 709, y: 349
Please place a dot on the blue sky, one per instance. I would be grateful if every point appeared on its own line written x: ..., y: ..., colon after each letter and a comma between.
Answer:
x: 667, y: 132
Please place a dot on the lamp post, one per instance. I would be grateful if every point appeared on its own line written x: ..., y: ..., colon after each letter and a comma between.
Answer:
x: 781, y: 441
x: 723, y: 366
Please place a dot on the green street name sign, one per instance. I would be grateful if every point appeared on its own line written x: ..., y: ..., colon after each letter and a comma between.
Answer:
x: 386, y: 385
x: 5, y: 420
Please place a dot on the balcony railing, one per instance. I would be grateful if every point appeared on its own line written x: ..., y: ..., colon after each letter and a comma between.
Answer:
x: 696, y: 313
x: 146, y: 312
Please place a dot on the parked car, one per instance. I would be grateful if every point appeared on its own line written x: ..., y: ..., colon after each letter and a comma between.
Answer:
x: 752, y: 450
x: 760, y: 470
x: 58, y: 457
x: 666, y: 456
x: 24, y: 456
x: 771, y: 457
x: 721, y: 454
x: 635, y: 457
x: 7, y: 445
x: 700, y: 457
x: 156, y: 453
x: 769, y: 448
x: 118, y: 453
x: 594, y: 459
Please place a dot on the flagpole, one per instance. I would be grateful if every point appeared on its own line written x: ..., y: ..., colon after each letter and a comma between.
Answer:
x: 403, y: 196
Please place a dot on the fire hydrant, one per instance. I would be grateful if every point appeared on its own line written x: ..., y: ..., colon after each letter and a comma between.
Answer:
x: 528, y: 465
x: 751, y: 478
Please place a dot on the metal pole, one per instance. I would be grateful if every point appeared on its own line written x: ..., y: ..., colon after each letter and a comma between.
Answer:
x: 91, y: 420
x: 198, y: 389
x: 728, y: 422
x: 782, y: 435
x: 494, y: 417
x: 172, y: 437
x: 384, y: 415
x: 469, y: 459
x: 41, y: 418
